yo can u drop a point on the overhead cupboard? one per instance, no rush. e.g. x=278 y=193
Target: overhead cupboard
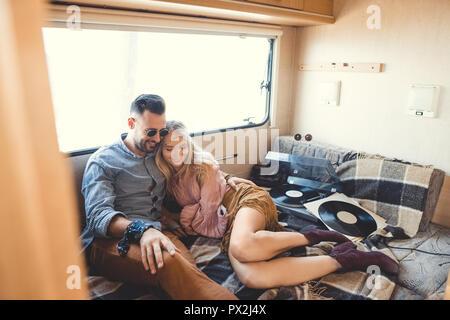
x=292 y=4
x=276 y=12
x=324 y=7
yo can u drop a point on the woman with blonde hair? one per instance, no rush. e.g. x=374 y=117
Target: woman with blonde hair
x=247 y=221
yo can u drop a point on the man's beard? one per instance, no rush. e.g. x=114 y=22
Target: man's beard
x=141 y=146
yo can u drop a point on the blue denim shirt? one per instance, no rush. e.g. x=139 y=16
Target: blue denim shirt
x=118 y=182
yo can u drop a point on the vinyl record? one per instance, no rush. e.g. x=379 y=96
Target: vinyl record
x=333 y=212
x=292 y=195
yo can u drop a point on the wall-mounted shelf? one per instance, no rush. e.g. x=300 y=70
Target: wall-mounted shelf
x=343 y=67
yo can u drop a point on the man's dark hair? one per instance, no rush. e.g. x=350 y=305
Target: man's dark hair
x=150 y=102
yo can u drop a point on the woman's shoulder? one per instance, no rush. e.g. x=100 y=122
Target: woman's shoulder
x=208 y=168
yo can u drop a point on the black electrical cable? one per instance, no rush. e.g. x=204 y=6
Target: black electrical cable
x=427 y=252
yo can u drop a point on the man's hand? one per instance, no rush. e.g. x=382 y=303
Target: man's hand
x=233 y=181
x=152 y=243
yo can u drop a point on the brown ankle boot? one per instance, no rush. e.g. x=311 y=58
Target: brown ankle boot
x=352 y=259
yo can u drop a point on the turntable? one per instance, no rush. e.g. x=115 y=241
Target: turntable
x=308 y=179
x=292 y=195
x=313 y=191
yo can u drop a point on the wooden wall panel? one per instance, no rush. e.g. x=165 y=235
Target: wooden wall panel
x=40 y=252
x=442 y=212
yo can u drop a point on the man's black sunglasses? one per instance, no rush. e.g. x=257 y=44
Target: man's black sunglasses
x=163 y=132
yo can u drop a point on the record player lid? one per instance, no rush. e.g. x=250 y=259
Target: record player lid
x=316 y=169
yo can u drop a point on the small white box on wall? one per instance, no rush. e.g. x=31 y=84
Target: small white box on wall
x=423 y=100
x=330 y=93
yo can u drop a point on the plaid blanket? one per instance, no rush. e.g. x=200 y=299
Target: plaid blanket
x=413 y=283
x=422 y=276
x=393 y=190
x=354 y=285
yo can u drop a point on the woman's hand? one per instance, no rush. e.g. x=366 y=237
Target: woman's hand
x=234 y=181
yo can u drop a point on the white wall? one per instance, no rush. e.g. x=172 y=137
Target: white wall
x=414 y=45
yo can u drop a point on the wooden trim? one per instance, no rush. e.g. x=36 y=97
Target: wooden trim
x=97 y=18
x=218 y=9
x=39 y=214
x=442 y=212
x=343 y=67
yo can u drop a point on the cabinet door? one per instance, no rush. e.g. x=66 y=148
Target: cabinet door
x=292 y=4
x=319 y=6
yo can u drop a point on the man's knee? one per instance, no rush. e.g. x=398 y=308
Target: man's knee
x=174 y=261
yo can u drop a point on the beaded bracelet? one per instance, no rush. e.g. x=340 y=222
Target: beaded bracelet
x=133 y=234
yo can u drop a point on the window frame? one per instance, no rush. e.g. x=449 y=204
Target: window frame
x=96 y=18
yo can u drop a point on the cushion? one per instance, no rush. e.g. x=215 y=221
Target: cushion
x=336 y=155
x=284 y=144
x=393 y=190
x=78 y=164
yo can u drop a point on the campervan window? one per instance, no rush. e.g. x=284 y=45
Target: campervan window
x=209 y=81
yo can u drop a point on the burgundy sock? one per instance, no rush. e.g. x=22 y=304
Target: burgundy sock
x=353 y=259
x=343 y=247
x=316 y=235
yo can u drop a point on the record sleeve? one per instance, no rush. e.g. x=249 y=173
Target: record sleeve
x=344 y=215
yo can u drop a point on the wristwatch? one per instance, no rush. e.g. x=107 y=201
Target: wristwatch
x=133 y=234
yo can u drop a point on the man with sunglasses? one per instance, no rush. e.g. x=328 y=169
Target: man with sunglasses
x=123 y=191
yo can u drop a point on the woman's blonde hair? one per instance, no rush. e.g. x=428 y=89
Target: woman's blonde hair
x=197 y=163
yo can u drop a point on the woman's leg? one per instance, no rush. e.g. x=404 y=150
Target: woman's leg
x=250 y=246
x=287 y=271
x=249 y=242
